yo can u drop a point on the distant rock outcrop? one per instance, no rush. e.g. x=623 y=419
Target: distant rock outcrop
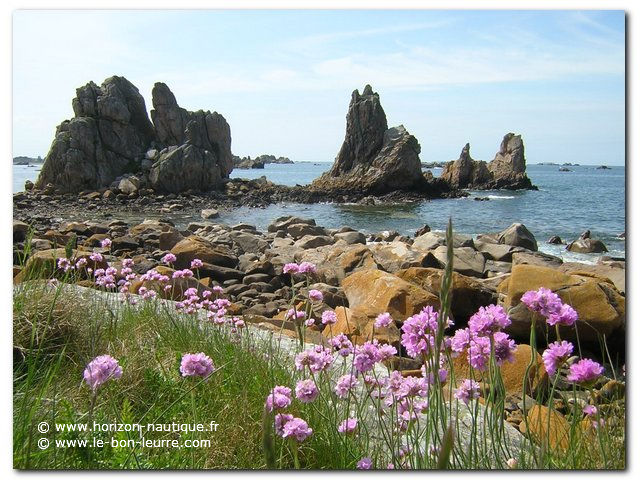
x=373 y=158
x=506 y=171
x=111 y=136
x=466 y=172
x=107 y=137
x=199 y=146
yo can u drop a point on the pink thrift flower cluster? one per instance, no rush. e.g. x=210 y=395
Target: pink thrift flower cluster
x=316 y=359
x=483 y=330
x=548 y=304
x=196 y=365
x=585 y=371
x=315 y=295
x=383 y=320
x=286 y=425
x=329 y=317
x=303 y=268
x=101 y=369
x=468 y=390
x=169 y=258
x=555 y=355
x=278 y=398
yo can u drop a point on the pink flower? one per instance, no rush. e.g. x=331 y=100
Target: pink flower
x=169 y=258
x=96 y=257
x=310 y=322
x=468 y=390
x=307 y=267
x=542 y=301
x=101 y=369
x=81 y=263
x=348 y=426
x=196 y=365
x=342 y=344
x=504 y=347
x=555 y=355
x=317 y=359
x=488 y=320
x=195 y=263
x=479 y=352
x=128 y=263
x=345 y=384
x=383 y=320
x=418 y=332
x=461 y=340
x=584 y=371
x=278 y=398
x=291 y=268
x=293 y=314
x=329 y=317
x=280 y=420
x=566 y=315
x=512 y=463
x=106 y=243
x=590 y=410
x=315 y=295
x=364 y=463
x=366 y=356
x=64 y=264
x=296 y=428
x=306 y=391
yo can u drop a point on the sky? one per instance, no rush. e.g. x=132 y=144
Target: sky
x=283 y=79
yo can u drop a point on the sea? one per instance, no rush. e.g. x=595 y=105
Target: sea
x=566 y=204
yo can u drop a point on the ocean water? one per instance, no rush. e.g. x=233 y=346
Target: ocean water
x=566 y=204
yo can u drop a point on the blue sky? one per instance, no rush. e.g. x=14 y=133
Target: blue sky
x=283 y=79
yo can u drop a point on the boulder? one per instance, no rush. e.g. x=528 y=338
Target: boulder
x=373 y=159
x=194 y=247
x=547 y=427
x=282 y=223
x=516 y=235
x=312 y=241
x=600 y=306
x=467 y=294
x=465 y=260
x=20 y=230
x=129 y=184
x=383 y=292
x=432 y=240
x=208 y=213
x=351 y=238
x=535 y=258
x=107 y=138
x=498 y=252
x=396 y=255
x=587 y=245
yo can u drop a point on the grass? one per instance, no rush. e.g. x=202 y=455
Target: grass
x=57 y=332
x=58 y=336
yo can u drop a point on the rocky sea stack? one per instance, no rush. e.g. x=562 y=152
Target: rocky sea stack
x=506 y=171
x=111 y=138
x=373 y=158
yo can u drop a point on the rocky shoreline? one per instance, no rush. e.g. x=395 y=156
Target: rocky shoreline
x=381 y=272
